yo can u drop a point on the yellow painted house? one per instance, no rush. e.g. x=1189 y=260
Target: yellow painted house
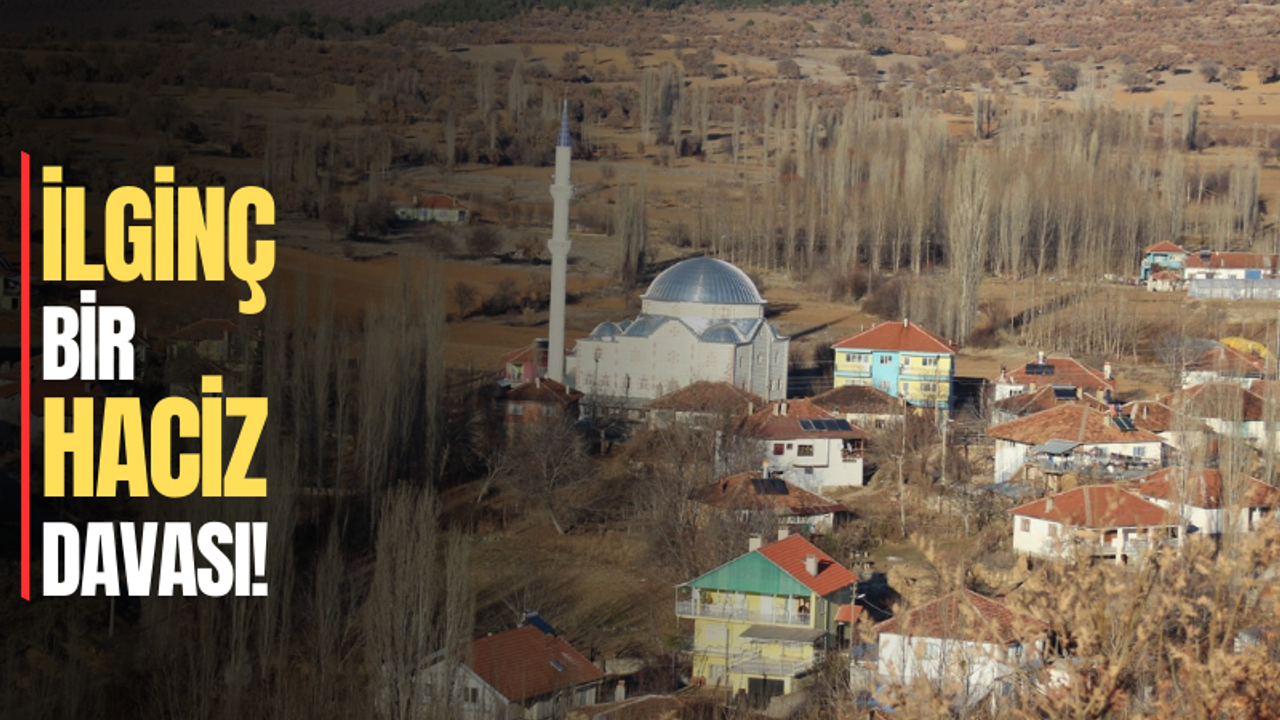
x=901 y=359
x=761 y=621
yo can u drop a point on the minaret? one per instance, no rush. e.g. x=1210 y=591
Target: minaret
x=561 y=191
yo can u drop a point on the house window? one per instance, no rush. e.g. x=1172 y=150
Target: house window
x=777 y=448
x=886 y=359
x=882 y=386
x=928 y=387
x=1025 y=525
x=759 y=358
x=805 y=451
x=906 y=388
x=473 y=695
x=1139 y=451
x=929 y=361
x=515 y=409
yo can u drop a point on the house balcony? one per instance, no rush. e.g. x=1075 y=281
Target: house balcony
x=754 y=664
x=690 y=608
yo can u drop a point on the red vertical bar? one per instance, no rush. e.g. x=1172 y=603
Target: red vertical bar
x=24 y=408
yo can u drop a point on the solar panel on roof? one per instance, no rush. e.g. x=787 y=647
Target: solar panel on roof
x=1043 y=369
x=843 y=425
x=769 y=486
x=806 y=425
x=1124 y=423
x=1064 y=392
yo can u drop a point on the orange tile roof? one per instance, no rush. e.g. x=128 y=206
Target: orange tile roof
x=1231 y=260
x=963 y=615
x=738 y=492
x=1069 y=422
x=440 y=201
x=1202 y=488
x=1042 y=399
x=705 y=396
x=1221 y=400
x=1226 y=359
x=543 y=390
x=790 y=554
x=1151 y=415
x=781 y=420
x=527 y=663
x=858 y=399
x=1096 y=507
x=903 y=336
x=1164 y=246
x=1066 y=371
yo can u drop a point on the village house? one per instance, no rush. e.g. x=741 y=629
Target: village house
x=965 y=645
x=753 y=495
x=1166 y=281
x=1069 y=378
x=862 y=405
x=1164 y=256
x=1204 y=501
x=808 y=446
x=434 y=208
x=1225 y=408
x=760 y=620
x=523 y=674
x=705 y=405
x=901 y=359
x=1046 y=397
x=1076 y=439
x=541 y=401
x=1209 y=265
x=524 y=364
x=1102 y=521
x=1223 y=363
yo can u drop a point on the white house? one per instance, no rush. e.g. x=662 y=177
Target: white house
x=1210 y=265
x=701 y=319
x=863 y=405
x=966 y=645
x=1203 y=500
x=751 y=493
x=1104 y=443
x=1094 y=520
x=521 y=674
x=806 y=445
x=1222 y=363
x=1064 y=374
x=1225 y=408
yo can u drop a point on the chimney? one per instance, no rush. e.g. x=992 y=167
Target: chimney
x=1106 y=370
x=1040 y=357
x=751 y=408
x=753 y=543
x=764 y=468
x=537 y=381
x=620 y=692
x=905 y=322
x=1048 y=504
x=784 y=532
x=811 y=565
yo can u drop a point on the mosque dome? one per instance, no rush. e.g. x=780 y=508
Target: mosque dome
x=704 y=280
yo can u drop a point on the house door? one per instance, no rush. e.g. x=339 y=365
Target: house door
x=761 y=690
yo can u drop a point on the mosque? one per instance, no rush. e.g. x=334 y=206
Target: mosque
x=701 y=319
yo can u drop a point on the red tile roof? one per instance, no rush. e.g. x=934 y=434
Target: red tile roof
x=543 y=390
x=1096 y=507
x=1066 y=371
x=439 y=201
x=790 y=555
x=1164 y=246
x=1069 y=422
x=858 y=400
x=1042 y=399
x=1225 y=359
x=963 y=615
x=902 y=336
x=1231 y=260
x=705 y=396
x=738 y=492
x=1203 y=488
x=527 y=663
x=1221 y=400
x=781 y=421
x=1151 y=415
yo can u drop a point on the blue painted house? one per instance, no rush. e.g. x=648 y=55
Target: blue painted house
x=901 y=359
x=1163 y=255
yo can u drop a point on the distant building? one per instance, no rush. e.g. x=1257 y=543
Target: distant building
x=1084 y=440
x=1046 y=397
x=1067 y=376
x=807 y=445
x=1221 y=362
x=521 y=674
x=862 y=405
x=1207 y=265
x=760 y=620
x=434 y=208
x=1163 y=256
x=541 y=401
x=1096 y=521
x=701 y=319
x=524 y=364
x=964 y=644
x=1200 y=497
x=900 y=359
x=752 y=494
x=704 y=404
